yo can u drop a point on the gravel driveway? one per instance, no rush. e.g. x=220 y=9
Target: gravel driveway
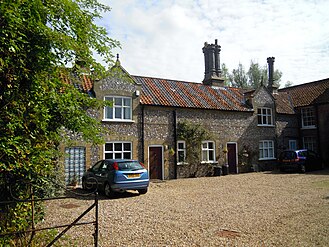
x=254 y=209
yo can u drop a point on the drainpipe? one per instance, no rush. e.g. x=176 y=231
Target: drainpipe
x=318 y=132
x=142 y=135
x=175 y=142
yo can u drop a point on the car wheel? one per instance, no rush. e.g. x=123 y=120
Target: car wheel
x=143 y=191
x=107 y=190
x=302 y=168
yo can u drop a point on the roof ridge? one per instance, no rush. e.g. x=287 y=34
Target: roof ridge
x=198 y=83
x=305 y=84
x=166 y=79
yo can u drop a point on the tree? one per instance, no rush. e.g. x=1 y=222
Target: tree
x=238 y=78
x=37 y=39
x=256 y=75
x=288 y=84
x=253 y=78
x=225 y=74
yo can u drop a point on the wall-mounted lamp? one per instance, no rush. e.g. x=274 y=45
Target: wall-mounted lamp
x=245 y=153
x=137 y=92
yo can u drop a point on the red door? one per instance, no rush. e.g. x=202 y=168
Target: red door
x=155 y=162
x=231 y=158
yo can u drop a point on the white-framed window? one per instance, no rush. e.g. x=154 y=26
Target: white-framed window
x=266 y=150
x=292 y=144
x=181 y=152
x=264 y=116
x=309 y=142
x=208 y=151
x=121 y=110
x=308 y=119
x=118 y=150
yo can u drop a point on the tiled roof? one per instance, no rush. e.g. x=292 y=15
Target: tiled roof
x=83 y=82
x=164 y=92
x=309 y=93
x=283 y=103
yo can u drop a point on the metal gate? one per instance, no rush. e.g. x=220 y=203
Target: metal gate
x=31 y=199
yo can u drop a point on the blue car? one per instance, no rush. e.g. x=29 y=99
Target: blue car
x=116 y=175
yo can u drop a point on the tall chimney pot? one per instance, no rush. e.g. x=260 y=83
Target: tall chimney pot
x=212 y=74
x=270 y=61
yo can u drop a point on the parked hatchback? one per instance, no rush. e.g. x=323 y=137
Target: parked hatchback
x=117 y=175
x=300 y=160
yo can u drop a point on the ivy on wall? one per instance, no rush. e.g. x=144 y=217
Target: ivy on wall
x=193 y=134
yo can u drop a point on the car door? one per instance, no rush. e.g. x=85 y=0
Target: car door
x=110 y=171
x=101 y=174
x=311 y=160
x=91 y=177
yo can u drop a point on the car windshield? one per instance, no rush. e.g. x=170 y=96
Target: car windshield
x=130 y=166
x=302 y=154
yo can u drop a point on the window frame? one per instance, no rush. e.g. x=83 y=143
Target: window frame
x=263 y=148
x=261 y=115
x=292 y=143
x=118 y=108
x=122 y=151
x=304 y=114
x=313 y=143
x=208 y=150
x=181 y=150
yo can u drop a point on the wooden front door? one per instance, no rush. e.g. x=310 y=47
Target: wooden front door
x=231 y=158
x=155 y=162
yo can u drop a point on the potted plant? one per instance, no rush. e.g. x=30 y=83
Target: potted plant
x=74 y=181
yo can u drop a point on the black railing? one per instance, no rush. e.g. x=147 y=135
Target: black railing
x=66 y=227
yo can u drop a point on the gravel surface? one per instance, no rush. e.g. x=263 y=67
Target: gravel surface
x=254 y=209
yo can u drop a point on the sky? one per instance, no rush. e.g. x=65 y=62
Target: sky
x=164 y=38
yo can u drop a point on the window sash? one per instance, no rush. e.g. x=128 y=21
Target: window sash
x=181 y=151
x=309 y=142
x=292 y=144
x=264 y=116
x=120 y=110
x=308 y=119
x=208 y=151
x=118 y=150
x=266 y=149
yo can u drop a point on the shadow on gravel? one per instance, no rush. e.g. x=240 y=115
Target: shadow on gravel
x=316 y=172
x=80 y=194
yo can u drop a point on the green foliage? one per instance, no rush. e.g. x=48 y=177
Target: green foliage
x=239 y=77
x=37 y=39
x=255 y=76
x=193 y=134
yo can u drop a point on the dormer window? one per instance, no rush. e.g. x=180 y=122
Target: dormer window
x=308 y=119
x=121 y=110
x=265 y=117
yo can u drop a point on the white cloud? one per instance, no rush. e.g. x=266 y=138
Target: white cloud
x=165 y=38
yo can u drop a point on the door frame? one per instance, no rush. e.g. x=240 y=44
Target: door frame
x=236 y=154
x=162 y=158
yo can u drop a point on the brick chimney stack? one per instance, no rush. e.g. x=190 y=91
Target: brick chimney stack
x=270 y=61
x=212 y=74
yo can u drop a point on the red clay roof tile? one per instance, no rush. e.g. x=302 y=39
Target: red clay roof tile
x=163 y=92
x=309 y=93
